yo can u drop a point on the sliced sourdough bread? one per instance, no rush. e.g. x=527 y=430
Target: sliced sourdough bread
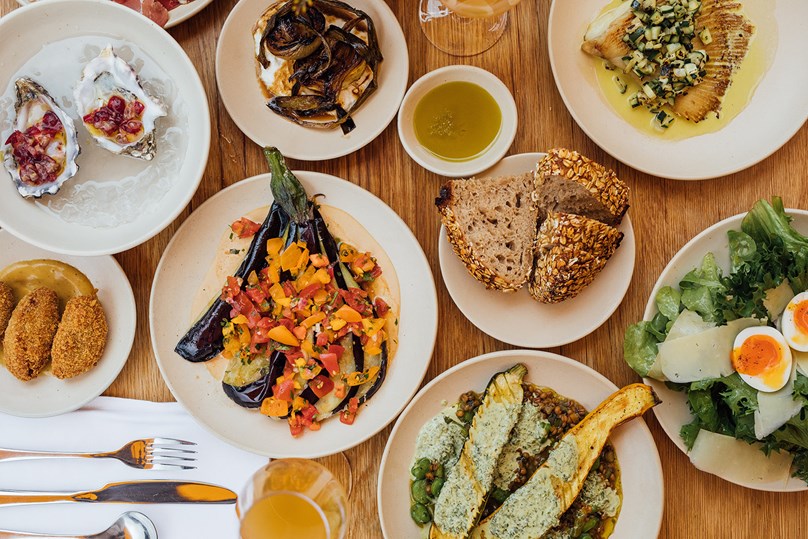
x=568 y=182
x=491 y=224
x=570 y=251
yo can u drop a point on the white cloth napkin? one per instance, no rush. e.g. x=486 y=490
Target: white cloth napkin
x=103 y=425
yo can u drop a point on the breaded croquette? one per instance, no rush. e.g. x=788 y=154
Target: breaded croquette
x=6 y=305
x=81 y=338
x=29 y=335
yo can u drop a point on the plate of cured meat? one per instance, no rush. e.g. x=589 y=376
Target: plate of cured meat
x=166 y=13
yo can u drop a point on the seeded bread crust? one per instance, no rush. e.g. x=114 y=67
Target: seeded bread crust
x=446 y=203
x=571 y=251
x=602 y=183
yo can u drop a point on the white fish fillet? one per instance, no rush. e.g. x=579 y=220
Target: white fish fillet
x=731 y=32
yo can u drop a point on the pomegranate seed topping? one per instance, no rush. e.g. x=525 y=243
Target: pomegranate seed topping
x=138 y=107
x=117 y=104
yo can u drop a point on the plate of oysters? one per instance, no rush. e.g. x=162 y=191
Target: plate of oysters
x=104 y=127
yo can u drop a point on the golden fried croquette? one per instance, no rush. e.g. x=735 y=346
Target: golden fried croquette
x=29 y=335
x=81 y=338
x=6 y=305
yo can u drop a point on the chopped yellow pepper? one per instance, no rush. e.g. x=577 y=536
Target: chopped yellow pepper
x=273 y=407
x=348 y=313
x=282 y=335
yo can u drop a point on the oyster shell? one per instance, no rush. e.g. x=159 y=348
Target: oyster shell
x=115 y=108
x=41 y=152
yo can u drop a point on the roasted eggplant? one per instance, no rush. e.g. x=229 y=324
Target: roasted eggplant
x=334 y=66
x=267 y=367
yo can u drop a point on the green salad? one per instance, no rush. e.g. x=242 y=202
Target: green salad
x=768 y=266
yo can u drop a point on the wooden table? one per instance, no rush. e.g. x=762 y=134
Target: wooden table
x=666 y=214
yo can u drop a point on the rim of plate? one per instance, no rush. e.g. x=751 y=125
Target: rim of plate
x=637 y=424
x=616 y=147
x=177 y=15
x=489 y=82
x=399 y=395
x=119 y=342
x=475 y=301
x=329 y=148
x=664 y=279
x=196 y=172
x=184 y=12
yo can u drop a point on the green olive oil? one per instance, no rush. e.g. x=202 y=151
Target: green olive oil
x=457 y=121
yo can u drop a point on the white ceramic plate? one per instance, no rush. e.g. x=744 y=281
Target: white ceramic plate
x=491 y=155
x=47 y=395
x=114 y=203
x=242 y=96
x=177 y=15
x=186 y=262
x=674 y=411
x=517 y=318
x=777 y=110
x=641 y=514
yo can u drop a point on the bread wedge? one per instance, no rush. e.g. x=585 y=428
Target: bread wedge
x=491 y=224
x=536 y=507
x=570 y=251
x=568 y=182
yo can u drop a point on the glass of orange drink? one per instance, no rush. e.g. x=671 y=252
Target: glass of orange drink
x=464 y=27
x=293 y=499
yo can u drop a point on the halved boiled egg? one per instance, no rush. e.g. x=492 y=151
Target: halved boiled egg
x=762 y=357
x=795 y=322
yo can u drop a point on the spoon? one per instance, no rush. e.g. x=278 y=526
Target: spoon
x=130 y=525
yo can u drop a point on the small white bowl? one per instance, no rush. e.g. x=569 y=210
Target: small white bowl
x=456 y=169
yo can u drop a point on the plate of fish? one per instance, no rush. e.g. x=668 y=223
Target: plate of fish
x=319 y=79
x=166 y=13
x=66 y=328
x=682 y=89
x=104 y=125
x=520 y=444
x=574 y=209
x=308 y=322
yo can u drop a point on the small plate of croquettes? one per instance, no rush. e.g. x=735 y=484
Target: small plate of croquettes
x=66 y=328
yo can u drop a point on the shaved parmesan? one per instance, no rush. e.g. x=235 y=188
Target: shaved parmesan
x=777 y=299
x=704 y=355
x=725 y=456
x=688 y=323
x=775 y=409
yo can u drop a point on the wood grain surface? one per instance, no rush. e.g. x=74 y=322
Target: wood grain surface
x=666 y=214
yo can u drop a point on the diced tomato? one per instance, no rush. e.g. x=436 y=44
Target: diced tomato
x=256 y=294
x=283 y=390
x=321 y=386
x=336 y=350
x=308 y=292
x=348 y=414
x=299 y=332
x=382 y=308
x=322 y=339
x=289 y=289
x=376 y=272
x=307 y=414
x=295 y=426
x=330 y=362
x=231 y=288
x=244 y=228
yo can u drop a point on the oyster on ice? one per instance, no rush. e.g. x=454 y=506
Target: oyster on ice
x=41 y=152
x=115 y=108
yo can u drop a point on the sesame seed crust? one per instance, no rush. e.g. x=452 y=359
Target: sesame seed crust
x=601 y=182
x=572 y=250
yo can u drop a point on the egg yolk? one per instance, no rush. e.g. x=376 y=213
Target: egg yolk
x=758 y=355
x=801 y=317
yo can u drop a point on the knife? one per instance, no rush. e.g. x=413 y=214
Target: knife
x=128 y=492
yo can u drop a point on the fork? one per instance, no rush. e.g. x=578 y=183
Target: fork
x=146 y=454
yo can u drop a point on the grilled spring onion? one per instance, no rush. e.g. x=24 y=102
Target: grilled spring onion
x=330 y=61
x=663 y=55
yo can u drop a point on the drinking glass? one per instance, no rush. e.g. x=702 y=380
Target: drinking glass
x=294 y=499
x=464 y=27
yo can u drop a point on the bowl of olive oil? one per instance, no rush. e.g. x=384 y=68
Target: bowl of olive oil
x=457 y=121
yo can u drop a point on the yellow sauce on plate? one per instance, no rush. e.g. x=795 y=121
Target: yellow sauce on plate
x=744 y=82
x=457 y=121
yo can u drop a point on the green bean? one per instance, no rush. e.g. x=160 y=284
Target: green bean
x=420 y=513
x=585 y=536
x=591 y=523
x=440 y=471
x=500 y=495
x=437 y=484
x=419 y=491
x=418 y=471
